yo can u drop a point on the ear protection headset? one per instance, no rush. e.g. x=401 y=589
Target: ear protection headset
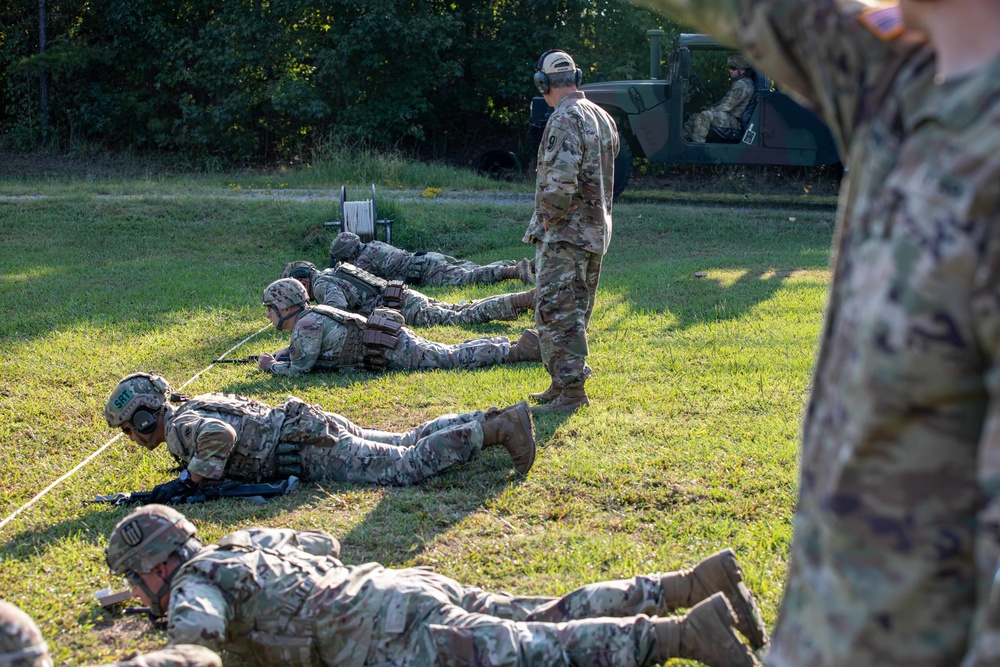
x=541 y=79
x=143 y=421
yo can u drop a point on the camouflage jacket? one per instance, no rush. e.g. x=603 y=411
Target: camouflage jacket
x=221 y=436
x=280 y=596
x=383 y=260
x=899 y=464
x=318 y=340
x=576 y=168
x=736 y=100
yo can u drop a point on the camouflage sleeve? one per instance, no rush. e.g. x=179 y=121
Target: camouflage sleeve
x=741 y=91
x=182 y=655
x=211 y=441
x=558 y=170
x=304 y=348
x=329 y=293
x=826 y=51
x=199 y=612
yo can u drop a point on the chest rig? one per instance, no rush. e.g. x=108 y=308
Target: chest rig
x=366 y=340
x=374 y=290
x=256 y=426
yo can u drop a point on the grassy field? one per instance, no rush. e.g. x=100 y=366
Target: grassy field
x=689 y=447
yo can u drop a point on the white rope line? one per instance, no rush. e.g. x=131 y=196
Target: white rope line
x=112 y=440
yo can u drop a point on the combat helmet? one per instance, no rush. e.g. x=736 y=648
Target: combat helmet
x=21 y=642
x=298 y=269
x=738 y=61
x=145 y=538
x=285 y=293
x=345 y=247
x=136 y=400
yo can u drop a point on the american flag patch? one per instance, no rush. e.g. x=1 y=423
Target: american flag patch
x=885 y=22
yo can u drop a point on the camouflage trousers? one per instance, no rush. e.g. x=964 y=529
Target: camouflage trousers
x=335 y=448
x=422 y=311
x=566 y=280
x=450 y=624
x=697 y=126
x=445 y=270
x=416 y=353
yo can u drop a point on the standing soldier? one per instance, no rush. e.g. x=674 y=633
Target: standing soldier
x=571 y=226
x=222 y=437
x=897 y=526
x=22 y=645
x=332 y=339
x=281 y=597
x=355 y=290
x=422 y=268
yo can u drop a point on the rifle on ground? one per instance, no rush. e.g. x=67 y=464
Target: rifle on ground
x=259 y=493
x=252 y=359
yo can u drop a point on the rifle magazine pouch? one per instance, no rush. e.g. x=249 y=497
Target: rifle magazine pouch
x=270 y=649
x=415 y=272
x=392 y=295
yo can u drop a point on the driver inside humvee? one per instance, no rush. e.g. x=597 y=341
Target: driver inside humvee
x=726 y=119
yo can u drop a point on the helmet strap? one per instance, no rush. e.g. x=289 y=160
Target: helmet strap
x=281 y=320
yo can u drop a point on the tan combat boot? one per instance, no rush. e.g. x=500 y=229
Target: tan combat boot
x=549 y=394
x=568 y=400
x=513 y=428
x=525 y=348
x=526 y=271
x=522 y=300
x=706 y=634
x=719 y=573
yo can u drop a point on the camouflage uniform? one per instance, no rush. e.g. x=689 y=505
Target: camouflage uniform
x=724 y=114
x=358 y=291
x=426 y=268
x=257 y=594
x=219 y=436
x=183 y=655
x=575 y=169
x=897 y=528
x=320 y=333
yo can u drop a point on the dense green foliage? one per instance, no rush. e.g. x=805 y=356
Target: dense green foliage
x=236 y=80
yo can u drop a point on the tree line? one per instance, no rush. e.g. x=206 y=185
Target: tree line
x=240 y=81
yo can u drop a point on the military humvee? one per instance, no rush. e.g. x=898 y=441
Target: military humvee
x=651 y=113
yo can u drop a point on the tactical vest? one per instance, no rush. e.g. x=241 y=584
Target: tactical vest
x=282 y=637
x=374 y=290
x=415 y=271
x=252 y=458
x=366 y=340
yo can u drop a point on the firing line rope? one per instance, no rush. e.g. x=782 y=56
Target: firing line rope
x=112 y=440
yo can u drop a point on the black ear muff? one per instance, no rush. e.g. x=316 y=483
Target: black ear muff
x=143 y=421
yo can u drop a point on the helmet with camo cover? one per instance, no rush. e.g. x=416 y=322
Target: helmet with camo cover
x=345 y=247
x=285 y=293
x=21 y=642
x=298 y=269
x=146 y=537
x=133 y=392
x=738 y=61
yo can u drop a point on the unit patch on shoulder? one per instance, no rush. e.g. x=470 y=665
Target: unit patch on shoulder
x=885 y=22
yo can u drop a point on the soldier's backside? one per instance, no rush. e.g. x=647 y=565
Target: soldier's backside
x=904 y=398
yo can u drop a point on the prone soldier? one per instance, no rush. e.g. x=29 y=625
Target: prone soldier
x=423 y=268
x=332 y=339
x=282 y=597
x=22 y=645
x=357 y=291
x=221 y=437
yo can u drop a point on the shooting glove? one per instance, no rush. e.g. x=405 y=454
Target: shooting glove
x=172 y=492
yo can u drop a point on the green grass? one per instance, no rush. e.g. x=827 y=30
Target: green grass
x=689 y=447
